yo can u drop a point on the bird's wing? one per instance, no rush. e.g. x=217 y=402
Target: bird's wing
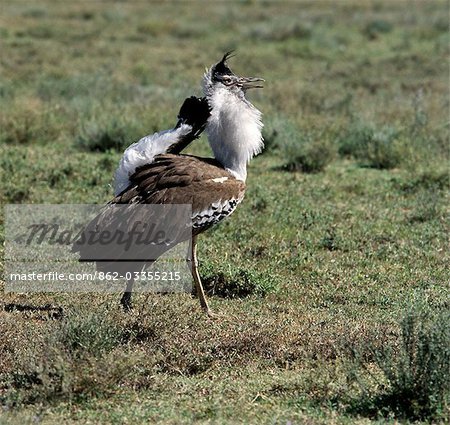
x=212 y=191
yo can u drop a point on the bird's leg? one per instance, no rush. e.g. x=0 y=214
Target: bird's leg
x=126 y=297
x=198 y=283
x=189 y=264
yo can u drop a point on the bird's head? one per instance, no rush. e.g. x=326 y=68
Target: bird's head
x=221 y=77
x=234 y=125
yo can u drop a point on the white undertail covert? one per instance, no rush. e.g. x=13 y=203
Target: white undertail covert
x=143 y=152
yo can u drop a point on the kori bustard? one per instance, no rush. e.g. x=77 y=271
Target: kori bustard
x=153 y=171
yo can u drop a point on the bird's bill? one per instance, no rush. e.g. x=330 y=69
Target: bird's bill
x=250 y=82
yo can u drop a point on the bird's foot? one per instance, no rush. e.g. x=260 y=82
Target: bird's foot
x=212 y=315
x=218 y=316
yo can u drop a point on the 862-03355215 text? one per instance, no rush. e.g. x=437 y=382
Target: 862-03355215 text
x=97 y=275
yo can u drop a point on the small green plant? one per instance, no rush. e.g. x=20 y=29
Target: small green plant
x=98 y=136
x=270 y=135
x=331 y=240
x=419 y=374
x=21 y=127
x=276 y=129
x=376 y=148
x=17 y=191
x=427 y=207
x=73 y=361
x=303 y=152
x=156 y=28
x=376 y=27
x=237 y=283
x=34 y=12
x=432 y=180
x=416 y=375
x=92 y=333
x=420 y=114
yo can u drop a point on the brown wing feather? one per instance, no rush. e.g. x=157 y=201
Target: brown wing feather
x=203 y=183
x=182 y=179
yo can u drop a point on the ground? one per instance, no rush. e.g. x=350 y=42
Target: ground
x=340 y=243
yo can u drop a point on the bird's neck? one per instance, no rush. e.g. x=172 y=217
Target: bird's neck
x=234 y=131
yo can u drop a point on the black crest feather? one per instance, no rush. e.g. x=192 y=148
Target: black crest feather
x=221 y=68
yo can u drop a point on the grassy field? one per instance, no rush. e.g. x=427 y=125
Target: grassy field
x=333 y=273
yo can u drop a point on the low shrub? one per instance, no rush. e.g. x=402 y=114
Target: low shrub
x=376 y=27
x=106 y=134
x=427 y=207
x=276 y=129
x=416 y=375
x=419 y=374
x=92 y=333
x=22 y=126
x=376 y=148
x=73 y=361
x=303 y=152
x=238 y=283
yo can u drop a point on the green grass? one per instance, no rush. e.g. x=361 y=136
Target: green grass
x=344 y=227
x=415 y=375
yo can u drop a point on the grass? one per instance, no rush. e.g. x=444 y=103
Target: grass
x=343 y=229
x=415 y=376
